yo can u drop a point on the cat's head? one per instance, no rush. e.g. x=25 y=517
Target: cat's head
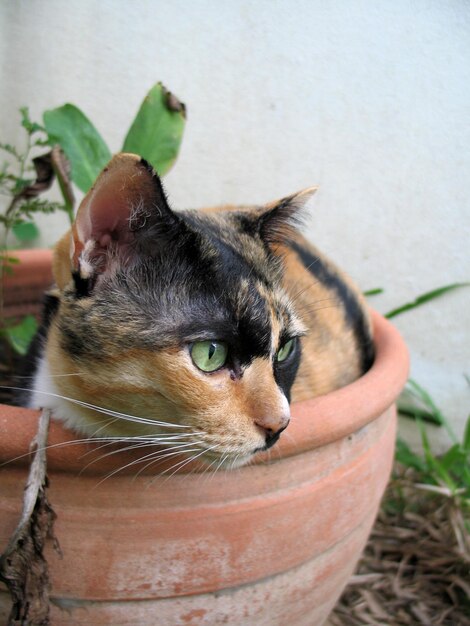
x=175 y=317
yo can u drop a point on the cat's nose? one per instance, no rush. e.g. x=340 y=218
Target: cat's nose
x=272 y=428
x=271 y=415
x=273 y=437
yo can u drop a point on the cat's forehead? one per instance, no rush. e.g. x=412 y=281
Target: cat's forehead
x=284 y=319
x=224 y=235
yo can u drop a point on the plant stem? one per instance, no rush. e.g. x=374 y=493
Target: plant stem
x=10 y=219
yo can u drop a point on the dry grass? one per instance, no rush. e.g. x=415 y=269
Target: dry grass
x=416 y=566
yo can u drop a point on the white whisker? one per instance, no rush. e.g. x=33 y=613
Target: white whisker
x=138 y=441
x=49 y=376
x=183 y=463
x=62 y=444
x=232 y=466
x=110 y=440
x=125 y=416
x=207 y=471
x=158 y=458
x=140 y=460
x=176 y=449
x=220 y=464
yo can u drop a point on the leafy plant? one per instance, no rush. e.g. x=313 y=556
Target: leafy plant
x=419 y=300
x=425 y=297
x=450 y=470
x=155 y=134
x=443 y=476
x=22 y=179
x=81 y=142
x=415 y=402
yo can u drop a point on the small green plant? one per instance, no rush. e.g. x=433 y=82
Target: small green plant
x=76 y=153
x=425 y=297
x=419 y=300
x=444 y=477
x=22 y=180
x=449 y=469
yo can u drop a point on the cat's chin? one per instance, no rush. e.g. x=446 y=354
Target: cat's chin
x=226 y=462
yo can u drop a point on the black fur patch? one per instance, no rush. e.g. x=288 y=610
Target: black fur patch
x=28 y=365
x=286 y=371
x=352 y=310
x=83 y=286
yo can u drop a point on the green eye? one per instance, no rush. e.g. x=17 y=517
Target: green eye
x=285 y=350
x=209 y=356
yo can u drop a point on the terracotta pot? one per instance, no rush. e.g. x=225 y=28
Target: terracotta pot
x=23 y=290
x=272 y=544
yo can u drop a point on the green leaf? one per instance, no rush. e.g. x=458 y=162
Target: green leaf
x=425 y=297
x=466 y=436
x=438 y=472
x=421 y=394
x=409 y=410
x=374 y=292
x=405 y=456
x=6 y=147
x=9 y=259
x=21 y=334
x=21 y=183
x=157 y=130
x=25 y=231
x=6 y=263
x=80 y=141
x=453 y=459
x=456 y=462
x=31 y=127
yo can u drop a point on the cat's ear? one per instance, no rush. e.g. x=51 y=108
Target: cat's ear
x=126 y=201
x=277 y=220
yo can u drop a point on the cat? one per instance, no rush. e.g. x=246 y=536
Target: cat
x=210 y=321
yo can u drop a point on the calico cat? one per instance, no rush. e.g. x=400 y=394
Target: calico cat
x=210 y=321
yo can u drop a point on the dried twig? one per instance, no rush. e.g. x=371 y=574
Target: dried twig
x=23 y=567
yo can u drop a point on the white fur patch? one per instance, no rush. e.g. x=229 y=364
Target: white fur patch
x=45 y=395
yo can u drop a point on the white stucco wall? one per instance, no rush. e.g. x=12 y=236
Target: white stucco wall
x=369 y=99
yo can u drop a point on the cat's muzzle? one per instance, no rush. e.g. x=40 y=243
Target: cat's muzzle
x=272 y=438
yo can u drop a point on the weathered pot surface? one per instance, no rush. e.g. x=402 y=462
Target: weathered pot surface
x=269 y=544
x=23 y=289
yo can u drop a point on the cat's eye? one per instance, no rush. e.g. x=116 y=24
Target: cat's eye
x=285 y=350
x=209 y=356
